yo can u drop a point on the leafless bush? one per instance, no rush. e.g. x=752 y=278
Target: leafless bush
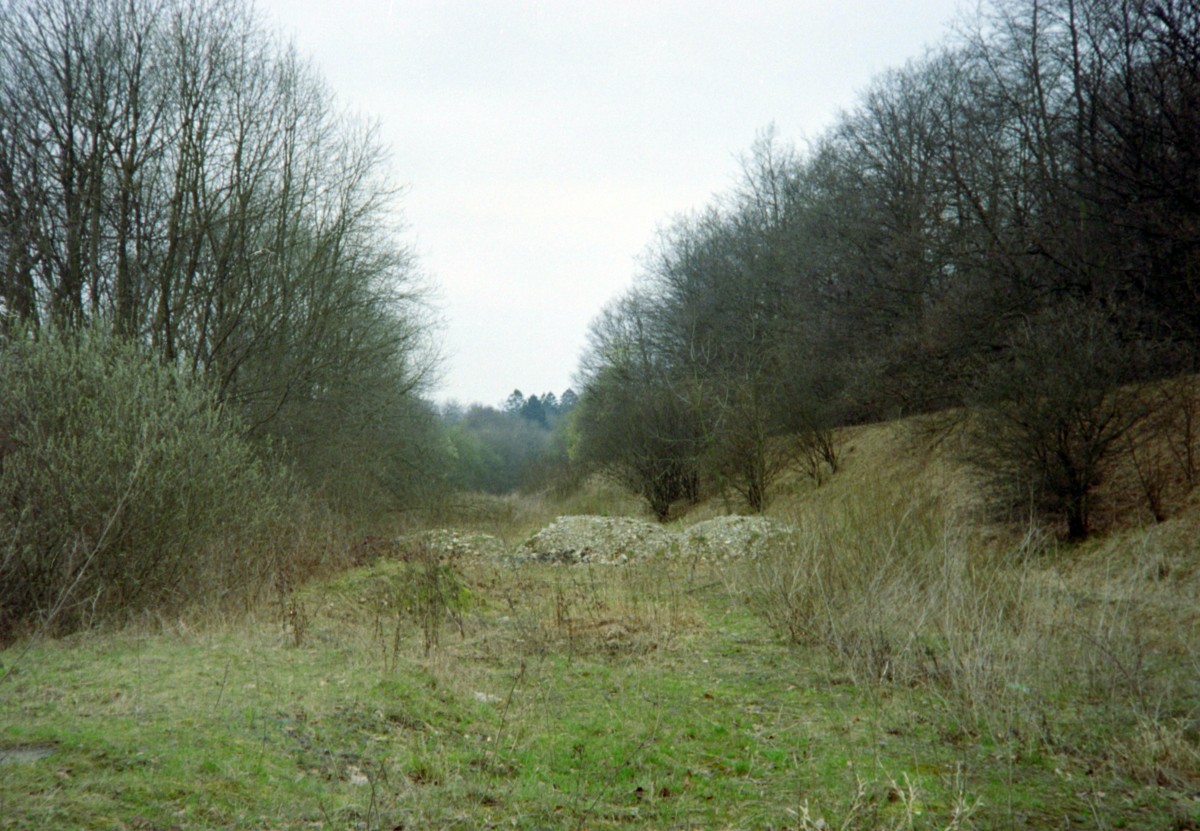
x=1053 y=410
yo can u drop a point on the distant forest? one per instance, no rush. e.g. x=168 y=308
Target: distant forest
x=522 y=446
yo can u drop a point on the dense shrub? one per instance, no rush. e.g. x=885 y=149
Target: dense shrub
x=123 y=485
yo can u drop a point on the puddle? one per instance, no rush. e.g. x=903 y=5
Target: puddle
x=23 y=753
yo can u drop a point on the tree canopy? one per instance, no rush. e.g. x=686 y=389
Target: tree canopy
x=1040 y=162
x=173 y=169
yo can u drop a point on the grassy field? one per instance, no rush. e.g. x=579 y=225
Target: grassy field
x=892 y=665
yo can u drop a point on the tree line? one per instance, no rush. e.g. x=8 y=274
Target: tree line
x=1011 y=222
x=200 y=256
x=173 y=170
x=520 y=446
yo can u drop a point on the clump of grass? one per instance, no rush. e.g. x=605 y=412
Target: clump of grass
x=902 y=808
x=638 y=608
x=601 y=496
x=887 y=583
x=418 y=591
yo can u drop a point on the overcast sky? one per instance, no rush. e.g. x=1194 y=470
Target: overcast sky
x=543 y=143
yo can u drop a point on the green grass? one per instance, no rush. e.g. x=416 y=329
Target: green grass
x=641 y=697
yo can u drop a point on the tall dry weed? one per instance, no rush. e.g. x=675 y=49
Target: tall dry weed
x=880 y=581
x=903 y=592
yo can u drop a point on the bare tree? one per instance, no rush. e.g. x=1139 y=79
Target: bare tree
x=168 y=166
x=1052 y=411
x=631 y=422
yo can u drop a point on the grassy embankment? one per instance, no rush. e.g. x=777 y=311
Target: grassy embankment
x=892 y=666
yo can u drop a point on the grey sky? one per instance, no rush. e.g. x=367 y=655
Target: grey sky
x=542 y=143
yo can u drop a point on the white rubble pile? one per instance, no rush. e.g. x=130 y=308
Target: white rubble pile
x=457 y=544
x=596 y=539
x=616 y=540
x=732 y=536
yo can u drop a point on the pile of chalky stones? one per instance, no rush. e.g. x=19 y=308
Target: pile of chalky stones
x=571 y=540
x=616 y=540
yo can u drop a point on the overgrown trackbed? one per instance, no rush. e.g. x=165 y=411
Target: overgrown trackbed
x=486 y=687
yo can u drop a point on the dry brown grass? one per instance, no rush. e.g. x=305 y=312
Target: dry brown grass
x=1092 y=649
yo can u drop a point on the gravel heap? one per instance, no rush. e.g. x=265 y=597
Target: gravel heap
x=596 y=539
x=615 y=540
x=588 y=539
x=453 y=545
x=731 y=536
